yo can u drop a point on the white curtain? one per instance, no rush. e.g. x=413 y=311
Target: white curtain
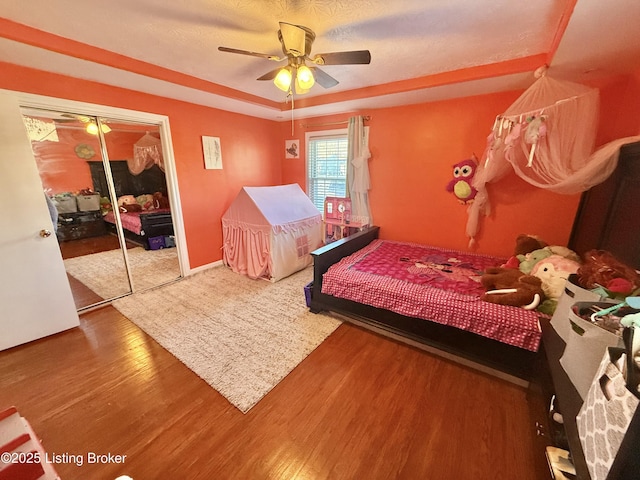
x=358 y=182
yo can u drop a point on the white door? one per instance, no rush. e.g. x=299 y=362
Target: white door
x=35 y=296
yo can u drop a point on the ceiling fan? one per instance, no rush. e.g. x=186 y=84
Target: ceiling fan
x=296 y=42
x=91 y=125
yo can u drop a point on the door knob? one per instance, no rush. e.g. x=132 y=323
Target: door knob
x=44 y=233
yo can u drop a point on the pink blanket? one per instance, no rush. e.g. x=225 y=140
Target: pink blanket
x=131 y=220
x=433 y=284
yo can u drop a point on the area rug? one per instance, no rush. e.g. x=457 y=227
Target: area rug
x=241 y=336
x=105 y=273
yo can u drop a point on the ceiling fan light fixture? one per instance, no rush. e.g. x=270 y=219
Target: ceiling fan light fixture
x=304 y=77
x=299 y=89
x=283 y=79
x=92 y=128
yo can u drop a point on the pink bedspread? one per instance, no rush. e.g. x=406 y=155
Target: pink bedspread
x=131 y=220
x=433 y=284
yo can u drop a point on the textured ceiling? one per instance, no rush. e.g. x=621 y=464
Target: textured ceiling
x=408 y=39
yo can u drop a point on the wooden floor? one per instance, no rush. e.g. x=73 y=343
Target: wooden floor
x=83 y=296
x=87 y=246
x=359 y=407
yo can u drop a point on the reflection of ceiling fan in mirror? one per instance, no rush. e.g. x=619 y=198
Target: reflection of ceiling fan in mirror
x=91 y=125
x=296 y=42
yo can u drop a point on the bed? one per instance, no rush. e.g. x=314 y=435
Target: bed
x=139 y=227
x=417 y=300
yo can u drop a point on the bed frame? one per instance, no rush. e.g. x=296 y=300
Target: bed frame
x=473 y=348
x=154 y=224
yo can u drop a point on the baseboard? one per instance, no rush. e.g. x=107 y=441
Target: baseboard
x=202 y=268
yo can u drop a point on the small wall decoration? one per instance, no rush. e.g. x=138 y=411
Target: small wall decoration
x=292 y=149
x=212 y=153
x=84 y=151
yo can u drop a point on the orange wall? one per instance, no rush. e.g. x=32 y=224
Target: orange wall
x=620 y=115
x=414 y=148
x=61 y=170
x=249 y=153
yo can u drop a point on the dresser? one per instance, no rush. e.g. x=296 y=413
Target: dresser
x=568 y=402
x=77 y=225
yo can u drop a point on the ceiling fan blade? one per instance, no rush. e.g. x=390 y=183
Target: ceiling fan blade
x=270 y=75
x=296 y=39
x=253 y=54
x=355 y=57
x=72 y=117
x=324 y=79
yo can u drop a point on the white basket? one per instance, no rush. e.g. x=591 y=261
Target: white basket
x=572 y=294
x=65 y=204
x=88 y=203
x=586 y=345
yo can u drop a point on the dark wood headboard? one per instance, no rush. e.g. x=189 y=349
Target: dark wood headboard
x=608 y=218
x=149 y=181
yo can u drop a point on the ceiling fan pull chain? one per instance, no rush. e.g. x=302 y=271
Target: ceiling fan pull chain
x=292 y=127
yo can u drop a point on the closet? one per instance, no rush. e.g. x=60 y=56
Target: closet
x=104 y=181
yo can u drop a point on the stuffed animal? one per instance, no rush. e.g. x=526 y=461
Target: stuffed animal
x=145 y=201
x=128 y=199
x=105 y=205
x=530 y=250
x=509 y=286
x=554 y=271
x=602 y=269
x=529 y=260
x=461 y=184
x=524 y=244
x=160 y=201
x=527 y=244
x=565 y=252
x=130 y=207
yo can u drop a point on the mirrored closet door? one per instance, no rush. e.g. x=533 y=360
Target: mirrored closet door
x=107 y=191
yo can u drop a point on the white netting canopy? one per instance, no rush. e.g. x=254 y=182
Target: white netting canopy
x=547 y=137
x=147 y=152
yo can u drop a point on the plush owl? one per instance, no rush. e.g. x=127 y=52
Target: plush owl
x=460 y=185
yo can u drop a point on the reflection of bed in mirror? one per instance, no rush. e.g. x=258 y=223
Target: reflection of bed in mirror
x=141 y=226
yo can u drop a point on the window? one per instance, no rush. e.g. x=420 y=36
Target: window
x=326 y=165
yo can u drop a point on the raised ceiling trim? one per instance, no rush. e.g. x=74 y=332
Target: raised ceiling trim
x=55 y=43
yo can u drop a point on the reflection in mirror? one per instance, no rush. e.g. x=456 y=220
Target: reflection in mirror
x=64 y=150
x=97 y=210
x=137 y=170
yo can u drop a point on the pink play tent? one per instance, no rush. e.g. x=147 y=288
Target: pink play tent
x=269 y=232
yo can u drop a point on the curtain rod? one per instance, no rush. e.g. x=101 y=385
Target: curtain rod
x=306 y=125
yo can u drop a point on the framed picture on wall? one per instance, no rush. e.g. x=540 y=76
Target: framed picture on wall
x=212 y=153
x=292 y=148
